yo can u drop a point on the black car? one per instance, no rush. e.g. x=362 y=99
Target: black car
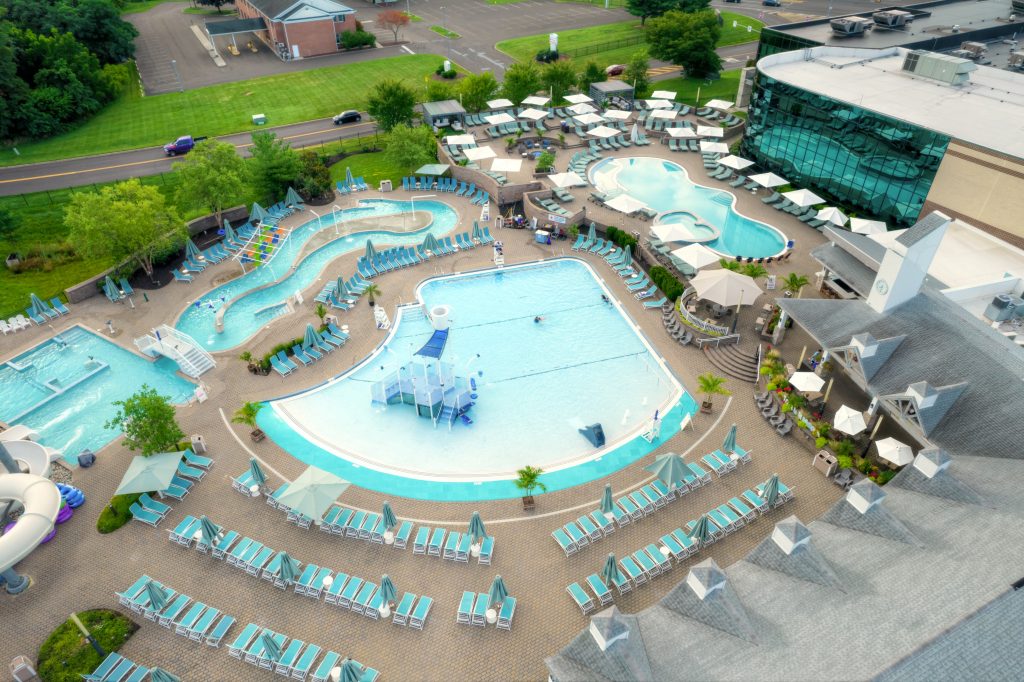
x=771 y=3
x=350 y=116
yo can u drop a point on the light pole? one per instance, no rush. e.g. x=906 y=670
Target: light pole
x=174 y=67
x=447 y=32
x=334 y=215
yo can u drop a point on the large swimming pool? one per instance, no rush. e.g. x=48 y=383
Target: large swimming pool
x=666 y=187
x=64 y=388
x=538 y=383
x=259 y=296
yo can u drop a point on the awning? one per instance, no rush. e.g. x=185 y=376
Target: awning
x=232 y=26
x=435 y=346
x=506 y=165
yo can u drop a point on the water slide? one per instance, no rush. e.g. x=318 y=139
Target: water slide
x=21 y=442
x=41 y=500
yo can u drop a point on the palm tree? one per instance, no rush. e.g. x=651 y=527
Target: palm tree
x=529 y=478
x=711 y=385
x=754 y=270
x=320 y=312
x=729 y=264
x=793 y=283
x=246 y=414
x=372 y=291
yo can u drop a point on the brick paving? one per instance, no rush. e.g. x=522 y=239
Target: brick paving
x=81 y=569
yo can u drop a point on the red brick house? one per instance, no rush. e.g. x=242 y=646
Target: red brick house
x=296 y=29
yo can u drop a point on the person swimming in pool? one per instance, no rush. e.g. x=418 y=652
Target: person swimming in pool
x=604 y=297
x=537 y=319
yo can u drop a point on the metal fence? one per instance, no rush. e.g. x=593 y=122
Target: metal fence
x=603 y=47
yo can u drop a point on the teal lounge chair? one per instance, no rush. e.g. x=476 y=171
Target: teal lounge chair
x=109 y=663
x=58 y=306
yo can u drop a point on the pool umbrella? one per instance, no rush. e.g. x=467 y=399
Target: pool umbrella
x=288 y=568
x=719 y=104
x=580 y=109
x=610 y=573
x=191 y=250
x=831 y=214
x=589 y=119
x=500 y=103
x=371 y=252
x=803 y=197
x=208 y=530
x=161 y=675
x=477 y=530
x=271 y=649
x=257 y=213
x=767 y=179
x=849 y=420
x=340 y=290
x=894 y=451
x=310 y=339
x=663 y=94
x=38 y=307
x=658 y=103
x=696 y=255
x=578 y=99
x=709 y=147
x=725 y=287
x=157 y=596
x=688 y=133
x=735 y=162
x=229 y=235
x=313 y=493
x=258 y=477
x=806 y=381
x=349 y=180
x=430 y=243
x=536 y=101
x=729 y=444
x=862 y=226
x=701 y=532
x=292 y=198
x=669 y=468
x=148 y=474
x=607 y=504
x=388 y=516
x=771 y=491
x=499 y=119
x=603 y=131
x=498 y=593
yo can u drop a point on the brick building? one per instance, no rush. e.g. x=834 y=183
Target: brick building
x=296 y=29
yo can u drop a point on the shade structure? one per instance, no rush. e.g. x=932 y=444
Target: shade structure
x=669 y=468
x=685 y=133
x=803 y=197
x=476 y=527
x=770 y=494
x=208 y=530
x=533 y=114
x=567 y=179
x=710 y=131
x=536 y=101
x=506 y=165
x=578 y=98
x=292 y=197
x=388 y=516
x=663 y=94
x=289 y=568
x=735 y=162
x=617 y=114
x=895 y=451
x=257 y=213
x=499 y=119
x=625 y=204
x=607 y=504
x=701 y=532
x=157 y=596
x=500 y=103
x=588 y=119
x=849 y=420
x=768 y=179
x=729 y=444
x=806 y=381
x=831 y=214
x=271 y=649
x=658 y=103
x=862 y=226
x=665 y=114
x=430 y=243
x=310 y=338
x=610 y=573
x=229 y=236
x=603 y=131
x=149 y=474
x=670 y=232
x=725 y=287
x=161 y=675
x=720 y=104
x=370 y=253
x=478 y=153
x=258 y=477
x=313 y=493
x=432 y=169
x=697 y=255
x=580 y=109
x=708 y=147
x=387 y=589
x=498 y=592
x=460 y=140
x=191 y=250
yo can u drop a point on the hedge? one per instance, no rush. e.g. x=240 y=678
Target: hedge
x=666 y=281
x=116 y=513
x=620 y=238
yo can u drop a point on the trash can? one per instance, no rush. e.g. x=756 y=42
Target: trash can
x=198 y=444
x=22 y=670
x=86 y=459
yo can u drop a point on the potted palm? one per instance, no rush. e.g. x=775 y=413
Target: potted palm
x=247 y=358
x=529 y=479
x=710 y=385
x=320 y=311
x=371 y=292
x=793 y=284
x=246 y=414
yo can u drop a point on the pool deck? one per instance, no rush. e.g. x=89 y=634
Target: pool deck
x=80 y=569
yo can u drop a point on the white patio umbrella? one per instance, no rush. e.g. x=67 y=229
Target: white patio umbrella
x=719 y=104
x=578 y=99
x=568 y=179
x=803 y=197
x=500 y=103
x=533 y=114
x=499 y=119
x=707 y=146
x=603 y=131
x=670 y=232
x=697 y=255
x=663 y=94
x=663 y=114
x=658 y=104
x=617 y=114
x=833 y=215
x=460 y=140
x=849 y=420
x=894 y=451
x=735 y=162
x=687 y=133
x=506 y=165
x=768 y=179
x=581 y=108
x=536 y=101
x=862 y=226
x=625 y=203
x=725 y=287
x=589 y=119
x=807 y=382
x=710 y=131
x=478 y=153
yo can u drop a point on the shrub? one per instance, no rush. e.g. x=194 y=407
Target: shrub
x=449 y=74
x=116 y=514
x=66 y=656
x=667 y=283
x=351 y=40
x=286 y=347
x=546 y=56
x=885 y=476
x=621 y=238
x=844 y=461
x=820 y=442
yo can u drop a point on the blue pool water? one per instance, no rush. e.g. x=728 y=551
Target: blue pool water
x=257 y=297
x=63 y=388
x=538 y=383
x=665 y=186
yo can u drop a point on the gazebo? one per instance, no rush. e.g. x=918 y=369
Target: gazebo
x=443 y=114
x=612 y=93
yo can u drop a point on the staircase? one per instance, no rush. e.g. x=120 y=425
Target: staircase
x=447 y=416
x=178 y=346
x=734 y=361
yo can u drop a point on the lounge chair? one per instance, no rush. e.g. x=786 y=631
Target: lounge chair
x=507 y=612
x=182 y=277
x=139 y=513
x=323 y=671
x=581 y=598
x=105 y=668
x=152 y=505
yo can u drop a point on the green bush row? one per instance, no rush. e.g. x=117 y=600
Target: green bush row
x=666 y=281
x=621 y=238
x=353 y=39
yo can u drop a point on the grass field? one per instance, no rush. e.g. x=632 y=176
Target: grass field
x=686 y=88
x=441 y=30
x=373 y=168
x=135 y=121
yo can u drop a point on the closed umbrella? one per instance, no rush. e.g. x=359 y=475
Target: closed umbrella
x=729 y=444
x=148 y=474
x=387 y=595
x=161 y=675
x=725 y=287
x=191 y=250
x=849 y=420
x=610 y=573
x=627 y=255
x=771 y=491
x=310 y=338
x=157 y=596
x=371 y=252
x=831 y=214
x=430 y=243
x=257 y=213
x=478 y=234
x=230 y=236
x=38 y=307
x=477 y=531
x=894 y=451
x=607 y=504
x=701 y=533
x=313 y=493
x=806 y=381
x=592 y=233
x=350 y=671
x=288 y=569
x=634 y=134
x=292 y=198
x=669 y=468
x=349 y=180
x=390 y=521
x=340 y=290
x=258 y=477
x=495 y=597
x=208 y=530
x=271 y=649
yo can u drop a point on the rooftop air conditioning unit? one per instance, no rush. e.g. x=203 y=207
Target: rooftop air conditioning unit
x=1017 y=6
x=892 y=18
x=976 y=49
x=850 y=26
x=1001 y=308
x=1017 y=60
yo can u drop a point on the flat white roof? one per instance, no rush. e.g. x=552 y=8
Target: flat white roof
x=987 y=111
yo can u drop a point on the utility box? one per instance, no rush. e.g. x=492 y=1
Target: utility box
x=22 y=670
x=259 y=119
x=198 y=444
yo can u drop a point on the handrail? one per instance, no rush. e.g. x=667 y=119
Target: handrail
x=695 y=321
x=730 y=338
x=760 y=358
x=188 y=366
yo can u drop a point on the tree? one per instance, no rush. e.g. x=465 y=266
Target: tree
x=687 y=40
x=528 y=480
x=645 y=9
x=147 y=419
x=730 y=265
x=440 y=90
x=710 y=385
x=522 y=79
x=391 y=102
x=372 y=292
x=636 y=72
x=212 y=176
x=545 y=161
x=247 y=414
x=214 y=3
x=97 y=24
x=409 y=148
x=314 y=179
x=794 y=283
x=692 y=6
x=476 y=89
x=558 y=77
x=393 y=20
x=126 y=221
x=754 y=270
x=591 y=73
x=320 y=311
x=9 y=223
x=274 y=164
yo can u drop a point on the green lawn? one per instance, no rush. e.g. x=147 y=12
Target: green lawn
x=441 y=30
x=686 y=88
x=135 y=121
x=373 y=168
x=137 y=6
x=414 y=18
x=503 y=2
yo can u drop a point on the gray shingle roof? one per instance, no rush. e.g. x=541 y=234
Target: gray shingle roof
x=860 y=246
x=922 y=228
x=877 y=520
x=943 y=484
x=281 y=9
x=945 y=396
x=446 y=107
x=804 y=563
x=583 y=660
x=720 y=609
x=858 y=276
